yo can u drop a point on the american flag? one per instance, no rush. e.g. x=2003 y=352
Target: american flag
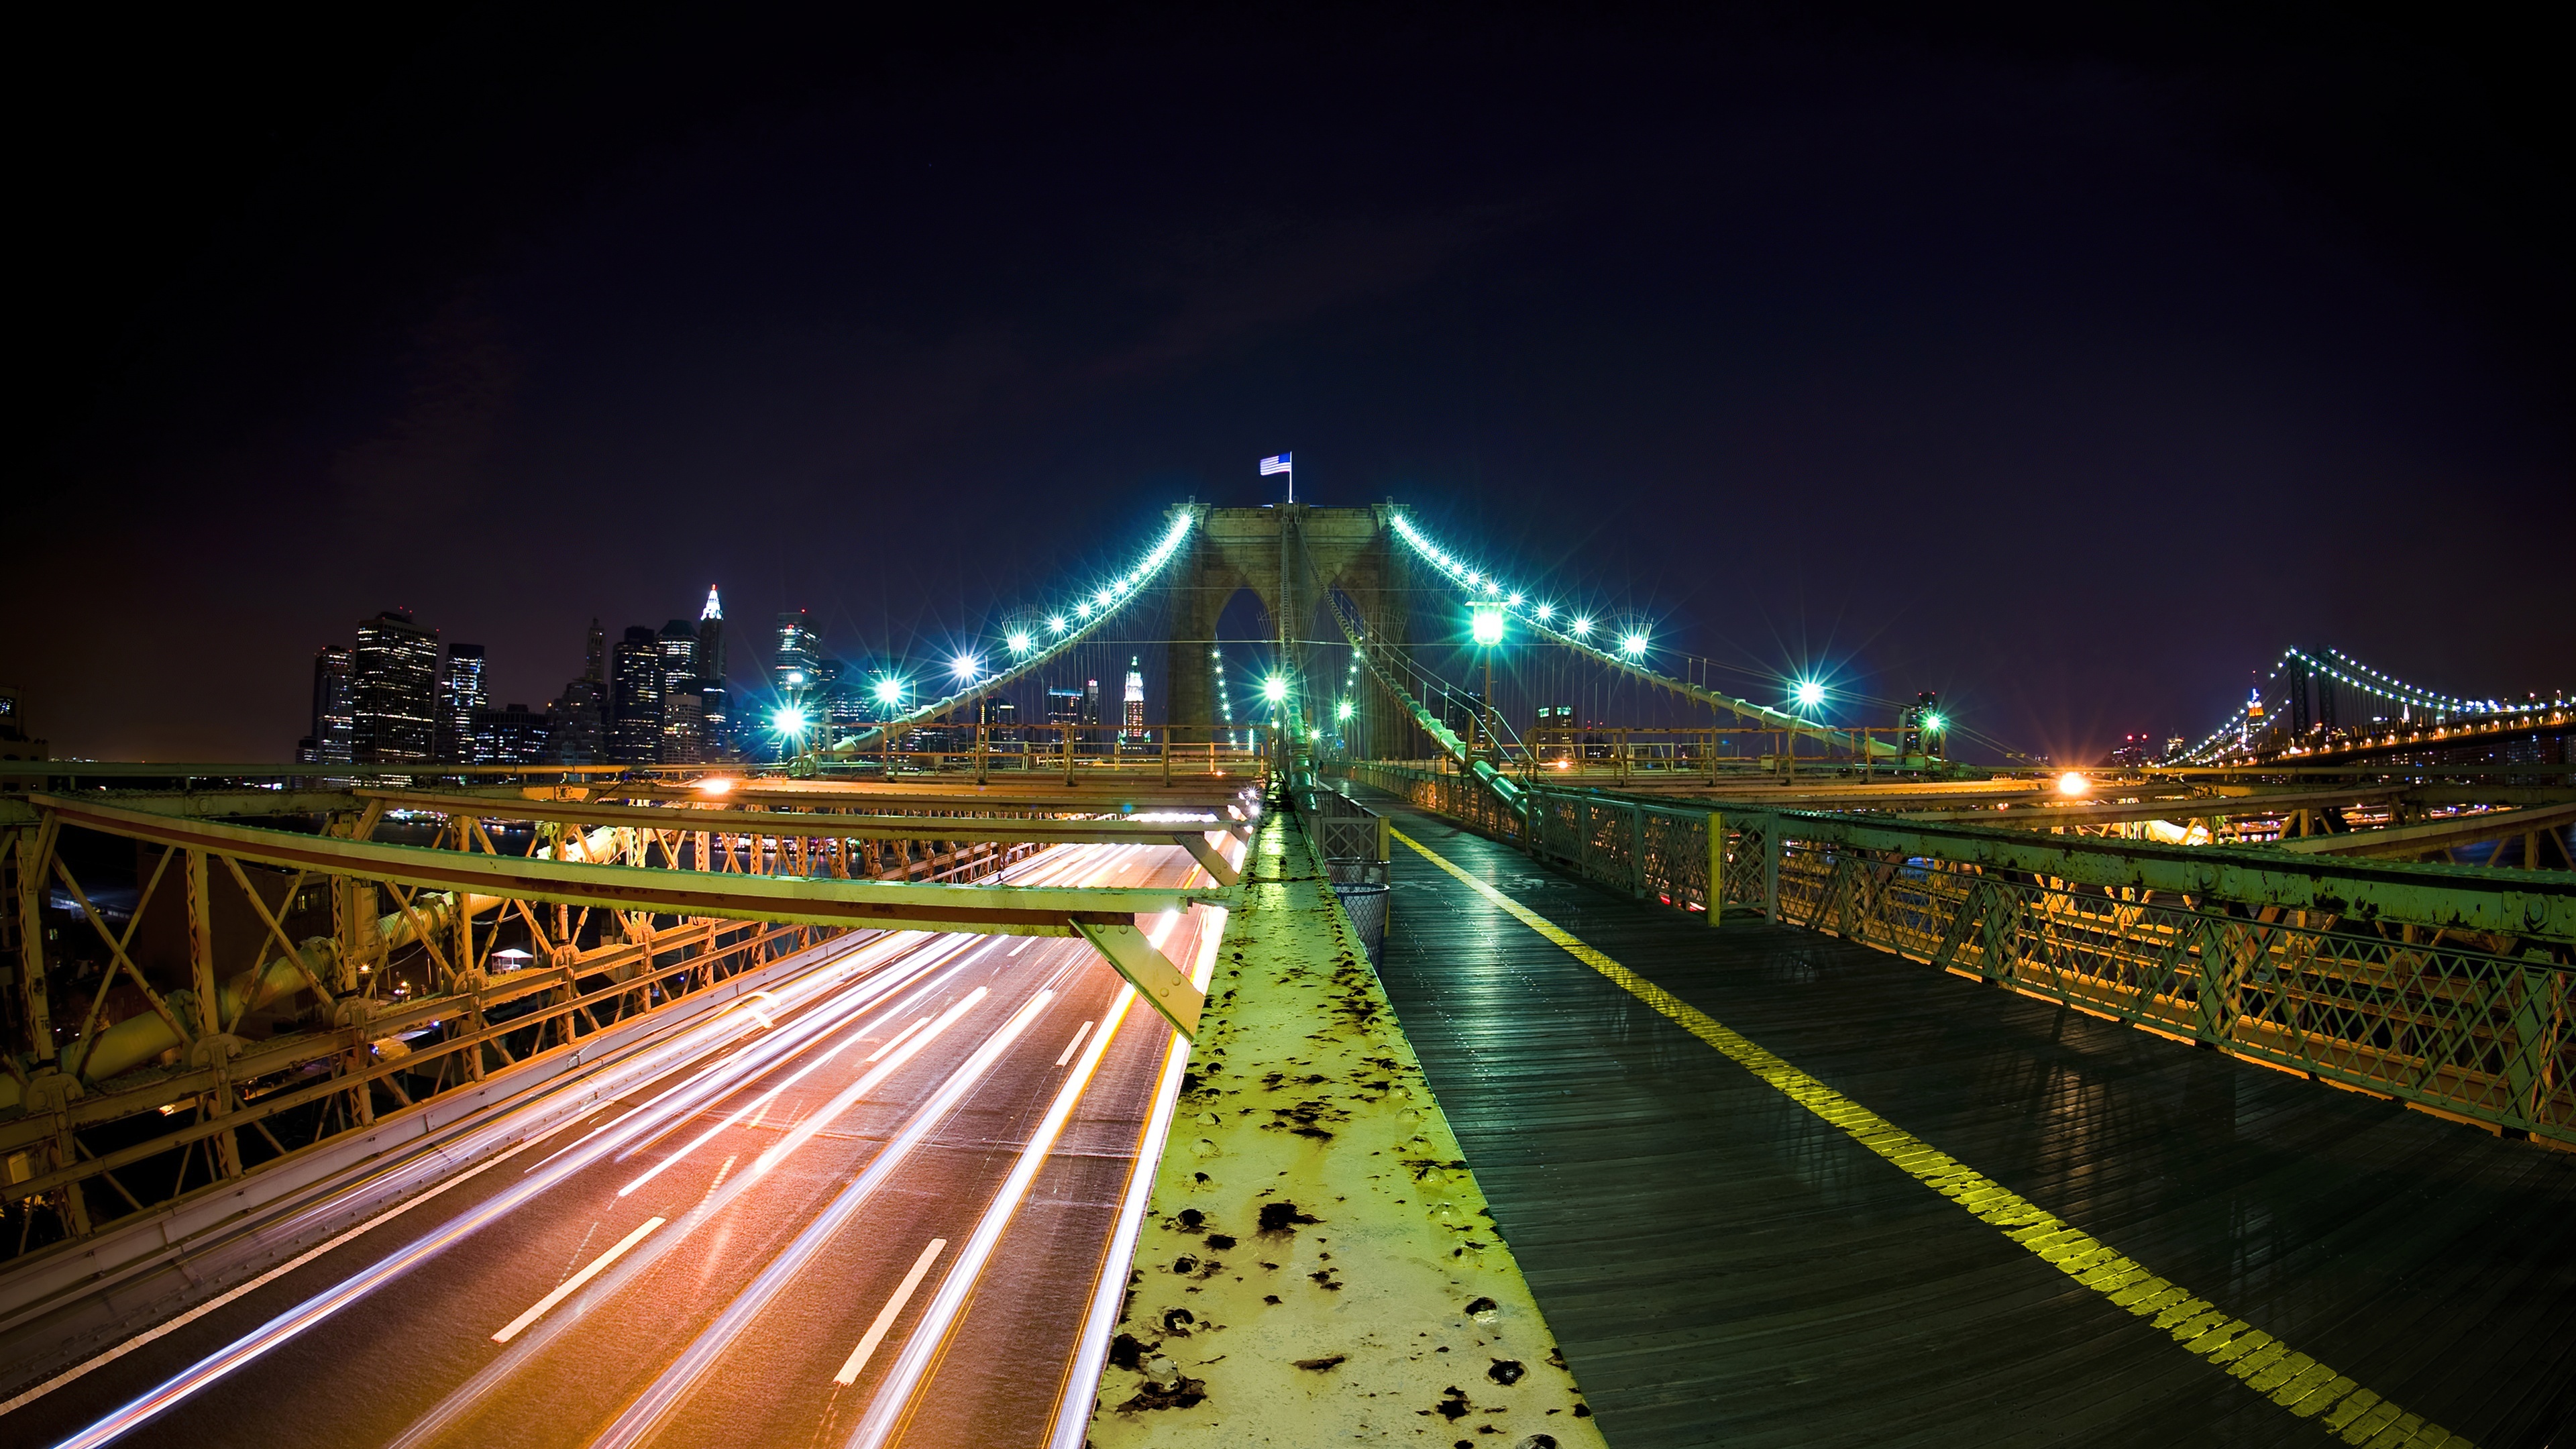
x=1276 y=465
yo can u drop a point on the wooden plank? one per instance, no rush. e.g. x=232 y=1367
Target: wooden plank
x=1722 y=1266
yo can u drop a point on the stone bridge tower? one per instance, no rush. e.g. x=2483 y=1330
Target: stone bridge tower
x=1290 y=556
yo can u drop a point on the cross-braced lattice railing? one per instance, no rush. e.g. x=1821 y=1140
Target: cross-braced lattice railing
x=261 y=994
x=2443 y=987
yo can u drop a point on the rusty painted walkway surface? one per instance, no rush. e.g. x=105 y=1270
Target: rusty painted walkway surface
x=1725 y=1264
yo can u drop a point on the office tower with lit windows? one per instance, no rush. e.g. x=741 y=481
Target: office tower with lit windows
x=460 y=693
x=393 y=691
x=577 y=725
x=335 y=722
x=635 y=698
x=1064 y=706
x=683 y=726
x=838 y=696
x=791 y=668
x=1004 y=718
x=1133 y=711
x=1091 y=701
x=715 y=714
x=511 y=735
x=595 y=654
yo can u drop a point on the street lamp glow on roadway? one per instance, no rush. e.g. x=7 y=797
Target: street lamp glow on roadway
x=788 y=720
x=1488 y=625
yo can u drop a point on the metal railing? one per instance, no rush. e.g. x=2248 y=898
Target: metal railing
x=2451 y=990
x=1354 y=843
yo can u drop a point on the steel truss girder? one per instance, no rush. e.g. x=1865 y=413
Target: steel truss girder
x=1005 y=910
x=815 y=825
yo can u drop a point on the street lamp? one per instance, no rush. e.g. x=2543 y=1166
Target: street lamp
x=1343 y=710
x=1809 y=694
x=1634 y=646
x=888 y=692
x=1019 y=641
x=966 y=667
x=1487 y=627
x=1275 y=688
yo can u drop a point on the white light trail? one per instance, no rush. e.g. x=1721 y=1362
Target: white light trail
x=649 y=1066
x=649 y=1408
x=914 y=1362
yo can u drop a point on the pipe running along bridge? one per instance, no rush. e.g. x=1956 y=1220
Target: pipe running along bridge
x=1601 y=1056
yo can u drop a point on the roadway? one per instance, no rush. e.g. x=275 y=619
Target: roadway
x=880 y=1220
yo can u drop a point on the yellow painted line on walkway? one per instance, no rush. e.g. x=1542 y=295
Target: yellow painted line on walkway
x=2264 y=1364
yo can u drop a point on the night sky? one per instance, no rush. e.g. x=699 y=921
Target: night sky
x=2073 y=372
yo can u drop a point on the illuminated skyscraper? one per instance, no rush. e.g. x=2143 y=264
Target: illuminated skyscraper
x=635 y=699
x=711 y=654
x=791 y=669
x=511 y=735
x=1064 y=706
x=335 y=723
x=1135 y=701
x=595 y=652
x=577 y=725
x=459 y=695
x=683 y=726
x=394 y=691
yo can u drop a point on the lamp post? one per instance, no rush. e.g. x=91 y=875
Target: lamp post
x=1487 y=626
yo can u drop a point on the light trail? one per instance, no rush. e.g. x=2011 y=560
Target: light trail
x=461 y=1401
x=1072 y=1426
x=898 y=1038
x=648 y=1409
x=685 y=1097
x=762 y=1102
x=893 y=1396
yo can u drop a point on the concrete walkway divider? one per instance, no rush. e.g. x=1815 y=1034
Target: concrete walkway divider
x=1317 y=1263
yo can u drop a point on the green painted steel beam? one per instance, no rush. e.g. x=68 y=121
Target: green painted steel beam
x=2457 y=897
x=205 y=804
x=809 y=823
x=2531 y=903
x=1012 y=910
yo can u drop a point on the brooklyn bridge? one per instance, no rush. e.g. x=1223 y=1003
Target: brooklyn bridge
x=1353 y=1048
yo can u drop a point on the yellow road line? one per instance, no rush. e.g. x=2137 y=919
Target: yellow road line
x=2264 y=1364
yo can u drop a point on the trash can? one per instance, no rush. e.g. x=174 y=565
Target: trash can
x=1366 y=902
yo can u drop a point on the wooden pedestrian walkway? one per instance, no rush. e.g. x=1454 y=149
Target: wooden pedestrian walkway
x=1774 y=1188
